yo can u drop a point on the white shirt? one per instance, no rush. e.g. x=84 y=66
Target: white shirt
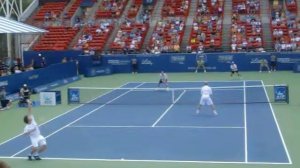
x=163 y=76
x=233 y=67
x=32 y=126
x=206 y=91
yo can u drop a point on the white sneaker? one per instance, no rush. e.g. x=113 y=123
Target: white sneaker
x=197 y=111
x=215 y=113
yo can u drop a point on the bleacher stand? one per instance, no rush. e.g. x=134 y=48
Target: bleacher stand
x=207 y=26
x=246 y=29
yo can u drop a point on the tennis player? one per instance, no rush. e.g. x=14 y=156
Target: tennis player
x=32 y=130
x=234 y=69
x=264 y=64
x=206 y=92
x=273 y=62
x=163 y=79
x=200 y=65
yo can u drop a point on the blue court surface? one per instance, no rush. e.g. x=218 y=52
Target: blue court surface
x=147 y=126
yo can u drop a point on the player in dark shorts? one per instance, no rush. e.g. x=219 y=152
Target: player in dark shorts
x=234 y=69
x=200 y=65
x=273 y=62
x=134 y=65
x=25 y=94
x=163 y=79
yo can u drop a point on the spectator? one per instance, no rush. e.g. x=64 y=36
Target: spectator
x=17 y=70
x=5 y=103
x=3 y=68
x=47 y=16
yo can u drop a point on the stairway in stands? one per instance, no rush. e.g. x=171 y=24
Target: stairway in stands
x=226 y=36
x=156 y=15
x=189 y=24
x=265 y=16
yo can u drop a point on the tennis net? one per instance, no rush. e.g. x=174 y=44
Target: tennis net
x=164 y=96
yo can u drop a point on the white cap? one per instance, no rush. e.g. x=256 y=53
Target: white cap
x=25 y=85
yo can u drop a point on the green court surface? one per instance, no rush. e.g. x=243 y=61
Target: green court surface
x=287 y=116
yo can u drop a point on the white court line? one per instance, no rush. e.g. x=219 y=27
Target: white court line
x=245 y=124
x=157 y=161
x=62 y=114
x=87 y=114
x=277 y=125
x=135 y=126
x=216 y=81
x=167 y=110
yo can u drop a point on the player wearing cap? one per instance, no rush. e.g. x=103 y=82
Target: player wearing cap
x=25 y=94
x=31 y=129
x=234 y=69
x=205 y=99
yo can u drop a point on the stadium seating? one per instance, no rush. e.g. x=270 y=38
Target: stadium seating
x=130 y=37
x=111 y=9
x=58 y=38
x=73 y=9
x=167 y=35
x=207 y=26
x=94 y=37
x=246 y=6
x=284 y=26
x=291 y=5
x=176 y=8
x=206 y=30
x=133 y=11
x=51 y=10
x=246 y=29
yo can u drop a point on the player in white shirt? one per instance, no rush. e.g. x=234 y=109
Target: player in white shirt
x=234 y=69
x=37 y=140
x=206 y=92
x=163 y=79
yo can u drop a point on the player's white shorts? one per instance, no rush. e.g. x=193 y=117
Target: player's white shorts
x=206 y=101
x=38 y=141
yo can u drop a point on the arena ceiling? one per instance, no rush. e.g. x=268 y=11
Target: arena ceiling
x=11 y=26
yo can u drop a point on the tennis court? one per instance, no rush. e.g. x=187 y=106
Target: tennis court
x=141 y=124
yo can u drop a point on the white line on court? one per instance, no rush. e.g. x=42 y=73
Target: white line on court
x=167 y=110
x=87 y=114
x=277 y=125
x=62 y=114
x=214 y=81
x=245 y=123
x=157 y=161
x=135 y=126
